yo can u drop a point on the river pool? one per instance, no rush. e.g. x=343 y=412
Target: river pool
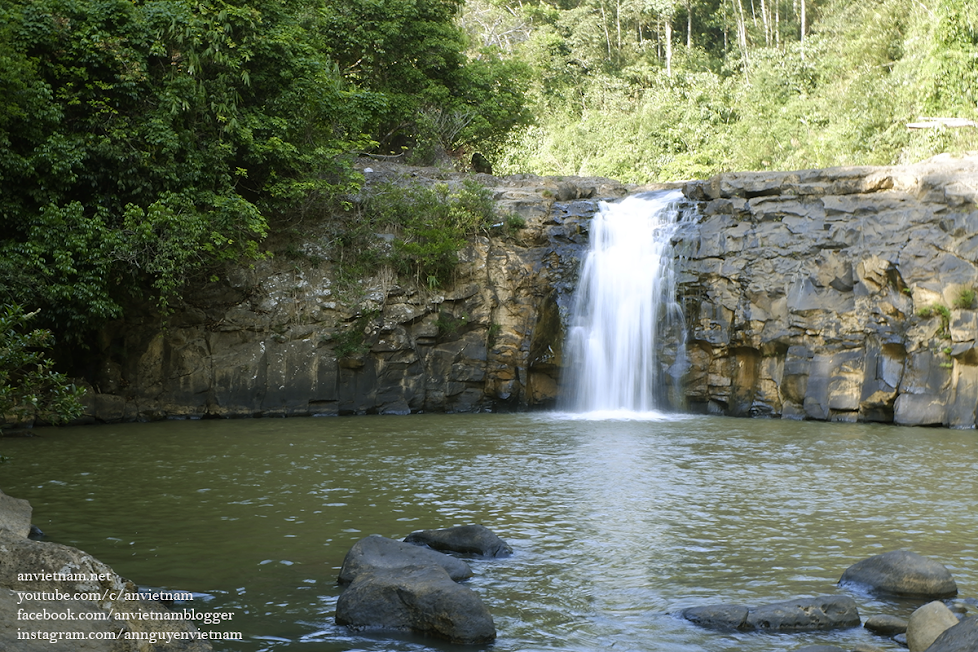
x=617 y=524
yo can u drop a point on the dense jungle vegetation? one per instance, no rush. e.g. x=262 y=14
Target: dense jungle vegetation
x=143 y=143
x=676 y=89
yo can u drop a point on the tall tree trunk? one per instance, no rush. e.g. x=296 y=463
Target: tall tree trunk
x=777 y=23
x=726 y=39
x=741 y=17
x=607 y=35
x=618 y=24
x=767 y=25
x=668 y=20
x=802 y=30
x=689 y=24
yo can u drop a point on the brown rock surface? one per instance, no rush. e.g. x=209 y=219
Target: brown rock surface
x=824 y=289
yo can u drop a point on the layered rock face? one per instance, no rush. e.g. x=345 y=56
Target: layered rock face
x=267 y=341
x=843 y=294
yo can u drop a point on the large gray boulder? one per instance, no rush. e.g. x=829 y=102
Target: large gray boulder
x=800 y=614
x=15 y=515
x=886 y=625
x=963 y=637
x=927 y=623
x=901 y=573
x=717 y=616
x=376 y=552
x=419 y=599
x=803 y=614
x=46 y=570
x=465 y=539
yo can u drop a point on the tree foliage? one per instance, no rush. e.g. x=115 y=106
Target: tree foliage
x=142 y=143
x=412 y=53
x=670 y=89
x=29 y=387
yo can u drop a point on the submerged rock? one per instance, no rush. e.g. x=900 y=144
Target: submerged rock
x=800 y=614
x=962 y=637
x=865 y=647
x=465 y=539
x=419 y=599
x=381 y=553
x=901 y=573
x=927 y=623
x=717 y=616
x=886 y=625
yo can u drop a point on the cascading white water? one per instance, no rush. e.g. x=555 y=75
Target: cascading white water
x=625 y=299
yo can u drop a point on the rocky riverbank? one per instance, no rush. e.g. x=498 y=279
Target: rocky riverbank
x=55 y=594
x=845 y=294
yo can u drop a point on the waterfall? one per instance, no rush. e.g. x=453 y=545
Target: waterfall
x=625 y=301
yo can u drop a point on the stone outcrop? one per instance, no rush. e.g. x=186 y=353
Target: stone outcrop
x=419 y=599
x=376 y=552
x=927 y=623
x=797 y=615
x=54 y=571
x=962 y=637
x=265 y=341
x=844 y=294
x=15 y=515
x=400 y=586
x=475 y=540
x=901 y=573
x=885 y=625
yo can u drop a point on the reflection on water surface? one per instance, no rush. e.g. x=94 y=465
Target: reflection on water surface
x=617 y=524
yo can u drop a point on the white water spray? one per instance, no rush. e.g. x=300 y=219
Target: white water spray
x=625 y=299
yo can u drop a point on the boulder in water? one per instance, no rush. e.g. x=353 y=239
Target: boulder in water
x=963 y=637
x=376 y=552
x=419 y=599
x=465 y=539
x=717 y=616
x=803 y=614
x=901 y=573
x=927 y=623
x=886 y=625
x=15 y=515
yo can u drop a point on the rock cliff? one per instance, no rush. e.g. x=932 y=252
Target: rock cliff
x=843 y=294
x=266 y=341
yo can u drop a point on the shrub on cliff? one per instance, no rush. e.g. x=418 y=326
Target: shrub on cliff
x=427 y=228
x=29 y=387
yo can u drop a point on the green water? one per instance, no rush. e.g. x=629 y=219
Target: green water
x=617 y=525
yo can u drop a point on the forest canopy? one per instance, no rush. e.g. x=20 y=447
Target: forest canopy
x=678 y=89
x=142 y=143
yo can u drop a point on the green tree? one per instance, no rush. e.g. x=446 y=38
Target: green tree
x=411 y=53
x=141 y=142
x=29 y=387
